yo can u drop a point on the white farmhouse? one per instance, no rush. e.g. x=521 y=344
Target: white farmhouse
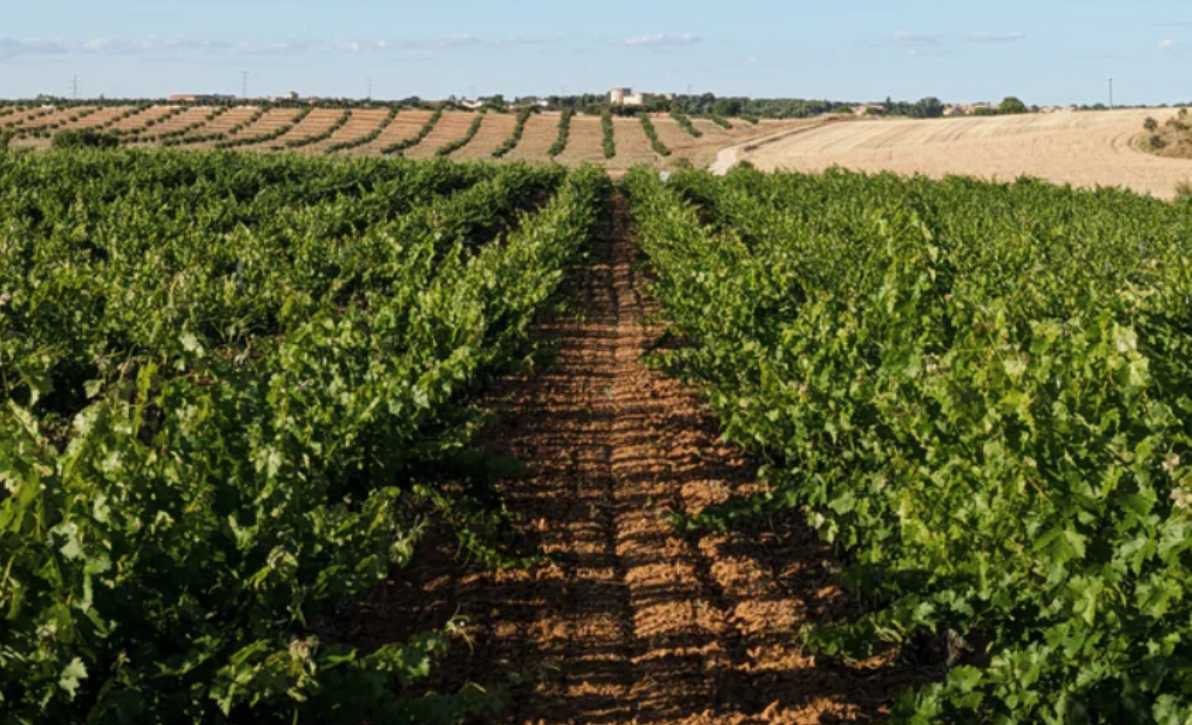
x=625 y=97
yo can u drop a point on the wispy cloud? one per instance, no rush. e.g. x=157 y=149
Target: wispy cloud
x=986 y=37
x=358 y=46
x=154 y=46
x=918 y=40
x=661 y=40
x=927 y=41
x=278 y=48
x=12 y=47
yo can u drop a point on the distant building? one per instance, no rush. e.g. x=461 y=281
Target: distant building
x=626 y=97
x=968 y=109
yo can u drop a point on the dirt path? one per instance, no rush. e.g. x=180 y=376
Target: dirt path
x=727 y=158
x=627 y=621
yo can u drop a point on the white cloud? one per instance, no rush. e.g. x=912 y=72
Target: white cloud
x=904 y=37
x=460 y=40
x=1166 y=44
x=358 y=46
x=985 y=37
x=660 y=40
x=468 y=40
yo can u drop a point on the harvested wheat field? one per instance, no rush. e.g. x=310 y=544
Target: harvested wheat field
x=1083 y=149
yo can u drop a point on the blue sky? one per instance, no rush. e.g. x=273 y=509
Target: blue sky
x=1046 y=51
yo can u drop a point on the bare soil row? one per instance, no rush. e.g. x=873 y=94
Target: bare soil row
x=626 y=620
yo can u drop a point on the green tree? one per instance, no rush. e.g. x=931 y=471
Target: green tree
x=1012 y=104
x=930 y=107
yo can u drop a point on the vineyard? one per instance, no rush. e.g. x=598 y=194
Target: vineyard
x=289 y=437
x=979 y=395
x=522 y=134
x=229 y=384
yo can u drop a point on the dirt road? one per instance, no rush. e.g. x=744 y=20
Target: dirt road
x=628 y=621
x=1083 y=149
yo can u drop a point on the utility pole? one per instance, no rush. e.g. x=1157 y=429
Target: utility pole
x=369 y=89
x=1111 y=91
x=244 y=84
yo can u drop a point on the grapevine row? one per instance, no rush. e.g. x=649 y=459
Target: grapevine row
x=515 y=137
x=366 y=138
x=402 y=145
x=685 y=123
x=452 y=146
x=339 y=123
x=652 y=134
x=267 y=136
x=978 y=394
x=608 y=134
x=561 y=141
x=243 y=417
